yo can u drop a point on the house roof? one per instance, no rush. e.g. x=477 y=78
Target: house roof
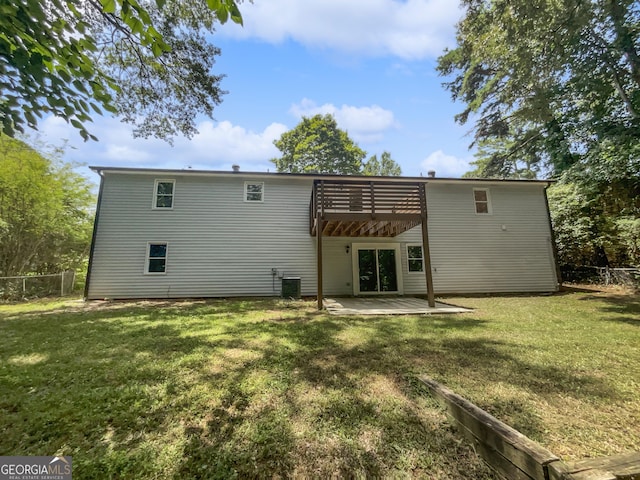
x=314 y=176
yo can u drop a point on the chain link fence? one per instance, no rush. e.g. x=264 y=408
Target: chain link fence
x=619 y=276
x=602 y=275
x=37 y=286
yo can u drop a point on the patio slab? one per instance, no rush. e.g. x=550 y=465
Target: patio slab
x=387 y=306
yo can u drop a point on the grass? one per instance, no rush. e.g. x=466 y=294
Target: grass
x=266 y=388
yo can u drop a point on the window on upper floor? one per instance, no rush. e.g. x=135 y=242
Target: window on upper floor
x=415 y=259
x=163 y=192
x=482 y=201
x=156 y=262
x=253 y=191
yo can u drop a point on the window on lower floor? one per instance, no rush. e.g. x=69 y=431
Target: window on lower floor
x=156 y=258
x=415 y=258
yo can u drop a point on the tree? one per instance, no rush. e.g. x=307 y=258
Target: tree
x=494 y=160
x=386 y=166
x=147 y=61
x=45 y=212
x=554 y=87
x=554 y=78
x=317 y=145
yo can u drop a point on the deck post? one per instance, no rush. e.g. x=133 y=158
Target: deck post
x=319 y=228
x=426 y=254
x=319 y=257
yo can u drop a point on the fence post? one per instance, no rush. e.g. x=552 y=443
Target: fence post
x=62 y=284
x=24 y=286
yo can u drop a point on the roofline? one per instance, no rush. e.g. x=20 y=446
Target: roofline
x=314 y=176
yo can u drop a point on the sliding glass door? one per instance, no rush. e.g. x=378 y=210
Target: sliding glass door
x=377 y=269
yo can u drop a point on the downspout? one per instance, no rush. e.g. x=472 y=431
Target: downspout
x=93 y=237
x=554 y=247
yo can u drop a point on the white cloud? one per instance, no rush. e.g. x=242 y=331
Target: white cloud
x=216 y=146
x=231 y=143
x=445 y=165
x=409 y=29
x=364 y=124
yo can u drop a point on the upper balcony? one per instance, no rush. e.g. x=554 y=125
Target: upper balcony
x=360 y=208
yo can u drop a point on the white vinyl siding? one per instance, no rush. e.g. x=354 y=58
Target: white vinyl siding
x=472 y=253
x=222 y=247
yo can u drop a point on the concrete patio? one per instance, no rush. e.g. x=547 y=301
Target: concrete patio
x=387 y=306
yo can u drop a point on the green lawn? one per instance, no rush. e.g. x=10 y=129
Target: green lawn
x=267 y=388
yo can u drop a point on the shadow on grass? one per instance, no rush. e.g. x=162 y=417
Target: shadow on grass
x=222 y=306
x=219 y=390
x=626 y=308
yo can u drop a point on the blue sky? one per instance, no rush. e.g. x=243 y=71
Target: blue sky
x=371 y=63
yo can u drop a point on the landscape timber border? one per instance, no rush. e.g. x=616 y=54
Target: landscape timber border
x=514 y=456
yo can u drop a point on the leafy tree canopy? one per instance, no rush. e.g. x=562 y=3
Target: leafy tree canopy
x=317 y=145
x=386 y=166
x=553 y=81
x=146 y=61
x=45 y=211
x=553 y=87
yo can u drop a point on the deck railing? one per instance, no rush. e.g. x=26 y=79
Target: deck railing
x=385 y=207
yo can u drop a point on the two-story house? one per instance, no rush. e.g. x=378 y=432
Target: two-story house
x=188 y=233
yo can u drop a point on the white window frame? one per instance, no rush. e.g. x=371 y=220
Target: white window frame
x=409 y=258
x=488 y=202
x=246 y=192
x=148 y=258
x=154 y=201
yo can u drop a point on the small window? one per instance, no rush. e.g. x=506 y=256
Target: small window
x=482 y=201
x=415 y=258
x=163 y=193
x=253 y=192
x=156 y=258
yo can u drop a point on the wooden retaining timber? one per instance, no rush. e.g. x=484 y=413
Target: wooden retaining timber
x=618 y=467
x=516 y=457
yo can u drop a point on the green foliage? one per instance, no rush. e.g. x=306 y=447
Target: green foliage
x=629 y=235
x=386 y=166
x=577 y=234
x=317 y=145
x=494 y=159
x=73 y=59
x=591 y=230
x=554 y=87
x=553 y=79
x=45 y=212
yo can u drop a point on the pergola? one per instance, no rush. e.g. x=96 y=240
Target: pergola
x=376 y=208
